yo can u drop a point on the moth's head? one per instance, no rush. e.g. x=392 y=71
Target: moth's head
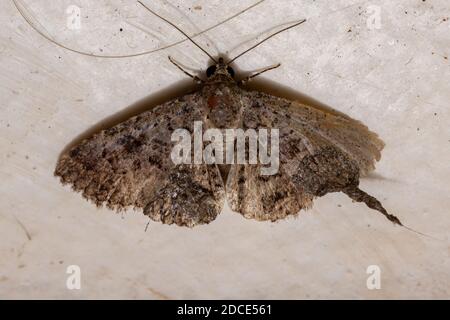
x=220 y=69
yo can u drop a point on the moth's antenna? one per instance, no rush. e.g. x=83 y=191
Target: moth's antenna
x=28 y=20
x=264 y=40
x=184 y=33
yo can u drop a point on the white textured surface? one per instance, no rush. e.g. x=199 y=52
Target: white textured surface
x=395 y=79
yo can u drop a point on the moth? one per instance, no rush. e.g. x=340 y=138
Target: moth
x=129 y=165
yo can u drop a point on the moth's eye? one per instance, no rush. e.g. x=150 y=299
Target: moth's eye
x=230 y=71
x=210 y=71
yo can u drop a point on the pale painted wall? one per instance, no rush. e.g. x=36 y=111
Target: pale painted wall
x=395 y=79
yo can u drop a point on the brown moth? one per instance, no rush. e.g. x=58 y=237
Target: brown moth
x=129 y=165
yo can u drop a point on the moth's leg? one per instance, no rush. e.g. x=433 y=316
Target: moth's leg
x=245 y=80
x=196 y=79
x=360 y=196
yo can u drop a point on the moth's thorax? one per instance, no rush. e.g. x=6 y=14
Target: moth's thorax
x=222 y=104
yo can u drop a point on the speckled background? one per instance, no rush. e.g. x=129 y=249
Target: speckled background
x=382 y=62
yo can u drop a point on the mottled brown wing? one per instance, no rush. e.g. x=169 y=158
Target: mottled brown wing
x=338 y=130
x=129 y=165
x=319 y=152
x=267 y=197
x=264 y=197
